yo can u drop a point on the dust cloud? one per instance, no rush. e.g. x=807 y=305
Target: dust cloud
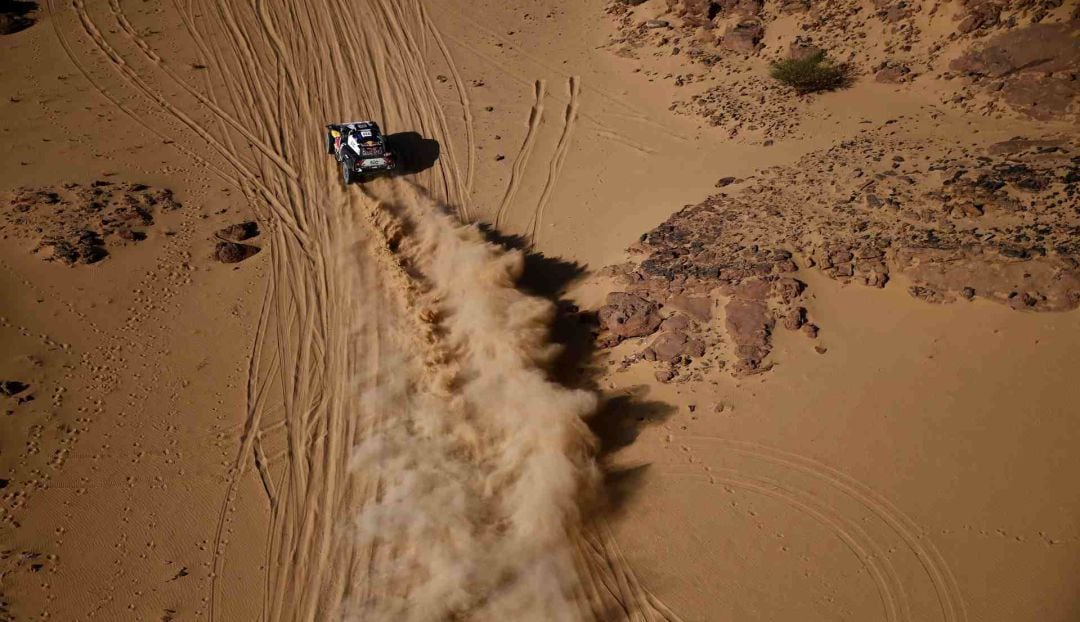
x=482 y=462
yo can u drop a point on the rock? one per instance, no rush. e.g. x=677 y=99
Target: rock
x=795 y=318
x=131 y=235
x=810 y=330
x=233 y=252
x=656 y=23
x=789 y=289
x=725 y=181
x=968 y=293
x=967 y=209
x=744 y=37
x=240 y=231
x=1042 y=97
x=794 y=6
x=801 y=48
x=1038 y=48
x=626 y=315
x=664 y=375
x=892 y=74
x=677 y=322
x=753 y=289
x=979 y=15
x=671 y=347
x=12 y=387
x=926 y=293
x=700 y=308
x=1022 y=301
x=1017 y=145
x=749 y=326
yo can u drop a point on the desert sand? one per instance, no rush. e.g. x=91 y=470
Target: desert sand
x=640 y=333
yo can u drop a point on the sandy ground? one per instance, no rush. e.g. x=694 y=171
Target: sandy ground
x=356 y=422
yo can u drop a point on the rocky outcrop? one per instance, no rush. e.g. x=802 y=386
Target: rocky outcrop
x=80 y=223
x=625 y=316
x=233 y=252
x=996 y=222
x=1033 y=69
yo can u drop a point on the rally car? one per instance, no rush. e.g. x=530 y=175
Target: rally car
x=361 y=149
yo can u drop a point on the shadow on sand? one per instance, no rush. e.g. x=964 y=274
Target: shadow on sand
x=620 y=418
x=415 y=153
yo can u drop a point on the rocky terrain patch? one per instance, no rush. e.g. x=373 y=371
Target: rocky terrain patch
x=81 y=223
x=1014 y=57
x=999 y=222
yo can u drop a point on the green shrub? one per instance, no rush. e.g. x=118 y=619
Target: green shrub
x=810 y=74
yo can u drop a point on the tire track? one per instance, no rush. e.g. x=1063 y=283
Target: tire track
x=374 y=354
x=557 y=160
x=934 y=567
x=536 y=116
x=930 y=559
x=463 y=96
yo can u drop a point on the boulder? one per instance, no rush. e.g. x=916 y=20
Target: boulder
x=672 y=346
x=1038 y=48
x=744 y=37
x=233 y=252
x=240 y=231
x=12 y=387
x=626 y=316
x=749 y=326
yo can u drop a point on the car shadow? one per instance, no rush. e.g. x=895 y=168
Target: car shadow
x=414 y=152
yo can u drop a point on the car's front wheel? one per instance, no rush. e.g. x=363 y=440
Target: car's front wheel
x=347 y=173
x=329 y=143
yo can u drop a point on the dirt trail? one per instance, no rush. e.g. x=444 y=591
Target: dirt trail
x=416 y=460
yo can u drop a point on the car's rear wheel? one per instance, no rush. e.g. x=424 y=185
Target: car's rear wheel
x=347 y=173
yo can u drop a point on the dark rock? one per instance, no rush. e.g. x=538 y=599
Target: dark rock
x=1022 y=300
x=795 y=318
x=749 y=325
x=16 y=15
x=240 y=231
x=233 y=252
x=802 y=48
x=1038 y=48
x=12 y=387
x=744 y=37
x=926 y=293
x=725 y=181
x=892 y=74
